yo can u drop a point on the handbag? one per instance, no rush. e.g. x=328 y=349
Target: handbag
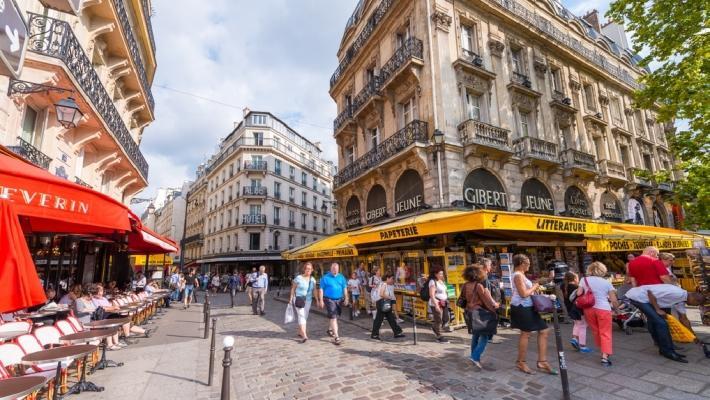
x=300 y=301
x=384 y=305
x=542 y=303
x=586 y=299
x=461 y=301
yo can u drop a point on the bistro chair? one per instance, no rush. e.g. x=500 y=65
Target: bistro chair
x=30 y=344
x=10 y=355
x=65 y=327
x=76 y=324
x=21 y=326
x=48 y=336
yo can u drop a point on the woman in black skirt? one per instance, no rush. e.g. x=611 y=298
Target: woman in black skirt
x=524 y=317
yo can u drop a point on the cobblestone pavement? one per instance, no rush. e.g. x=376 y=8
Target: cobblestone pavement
x=270 y=364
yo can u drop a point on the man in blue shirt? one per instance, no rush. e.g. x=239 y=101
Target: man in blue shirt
x=259 y=288
x=333 y=291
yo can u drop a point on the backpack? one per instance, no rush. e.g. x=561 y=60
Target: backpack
x=424 y=291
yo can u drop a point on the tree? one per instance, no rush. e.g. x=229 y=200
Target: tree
x=676 y=35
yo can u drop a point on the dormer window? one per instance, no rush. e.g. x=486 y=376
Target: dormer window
x=258 y=119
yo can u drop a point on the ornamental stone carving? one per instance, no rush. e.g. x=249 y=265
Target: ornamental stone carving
x=496 y=47
x=525 y=102
x=594 y=129
x=442 y=20
x=629 y=112
x=540 y=66
x=564 y=118
x=472 y=81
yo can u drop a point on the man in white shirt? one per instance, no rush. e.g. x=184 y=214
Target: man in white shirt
x=175 y=286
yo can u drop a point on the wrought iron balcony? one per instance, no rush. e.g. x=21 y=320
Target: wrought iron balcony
x=577 y=163
x=370 y=90
x=254 y=191
x=521 y=79
x=255 y=165
x=411 y=48
x=148 y=16
x=342 y=118
x=484 y=135
x=472 y=58
x=133 y=47
x=413 y=132
x=375 y=18
x=536 y=151
x=54 y=38
x=78 y=181
x=31 y=153
x=277 y=221
x=253 y=219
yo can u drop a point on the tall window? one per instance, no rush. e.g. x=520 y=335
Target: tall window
x=32 y=127
x=468 y=39
x=255 y=183
x=473 y=105
x=556 y=75
x=303 y=220
x=254 y=241
x=277 y=215
x=277 y=166
x=277 y=236
x=638 y=115
x=258 y=138
x=589 y=97
x=370 y=75
x=303 y=240
x=325 y=225
x=524 y=124
x=616 y=110
x=236 y=242
x=349 y=155
x=304 y=179
x=291 y=194
x=624 y=152
x=517 y=59
x=291 y=217
x=255 y=209
x=315 y=183
x=408 y=111
x=277 y=190
x=315 y=202
x=373 y=137
x=303 y=198
x=291 y=238
x=315 y=223
x=402 y=36
x=647 y=163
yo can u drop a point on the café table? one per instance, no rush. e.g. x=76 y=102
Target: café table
x=53 y=313
x=9 y=335
x=87 y=336
x=106 y=324
x=17 y=388
x=65 y=354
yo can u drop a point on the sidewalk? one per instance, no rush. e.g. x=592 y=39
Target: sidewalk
x=269 y=363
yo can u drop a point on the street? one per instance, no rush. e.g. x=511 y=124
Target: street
x=269 y=363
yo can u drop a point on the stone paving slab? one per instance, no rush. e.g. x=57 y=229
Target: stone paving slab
x=269 y=363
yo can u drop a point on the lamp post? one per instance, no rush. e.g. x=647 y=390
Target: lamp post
x=68 y=112
x=228 y=343
x=438 y=140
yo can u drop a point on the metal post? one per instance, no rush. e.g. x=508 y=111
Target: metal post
x=561 y=356
x=414 y=320
x=352 y=306
x=226 y=364
x=214 y=328
x=207 y=316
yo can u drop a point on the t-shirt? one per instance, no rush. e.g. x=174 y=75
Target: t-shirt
x=560 y=269
x=190 y=280
x=647 y=271
x=362 y=276
x=600 y=288
x=304 y=287
x=666 y=295
x=215 y=280
x=100 y=302
x=66 y=299
x=354 y=286
x=333 y=285
x=84 y=309
x=233 y=281
x=440 y=292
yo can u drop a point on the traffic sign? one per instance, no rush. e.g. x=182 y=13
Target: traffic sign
x=13 y=38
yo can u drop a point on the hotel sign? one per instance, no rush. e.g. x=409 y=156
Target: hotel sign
x=481 y=189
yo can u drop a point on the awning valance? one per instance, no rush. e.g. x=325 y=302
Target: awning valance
x=145 y=241
x=630 y=237
x=334 y=246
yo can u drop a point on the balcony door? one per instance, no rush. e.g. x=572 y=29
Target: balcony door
x=258 y=138
x=255 y=209
x=408 y=111
x=33 y=126
x=473 y=105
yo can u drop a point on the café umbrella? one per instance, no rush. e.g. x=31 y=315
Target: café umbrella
x=20 y=284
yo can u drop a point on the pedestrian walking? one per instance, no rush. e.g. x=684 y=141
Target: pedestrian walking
x=482 y=309
x=301 y=297
x=493 y=286
x=598 y=316
x=250 y=284
x=524 y=317
x=385 y=300
x=233 y=285
x=258 y=289
x=373 y=284
x=579 y=329
x=438 y=303
x=354 y=288
x=332 y=294
x=215 y=283
x=189 y=282
x=174 y=285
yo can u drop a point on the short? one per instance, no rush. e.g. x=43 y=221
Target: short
x=332 y=307
x=188 y=291
x=356 y=298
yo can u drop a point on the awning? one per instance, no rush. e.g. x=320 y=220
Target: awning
x=145 y=241
x=47 y=203
x=334 y=246
x=153 y=260
x=443 y=222
x=630 y=237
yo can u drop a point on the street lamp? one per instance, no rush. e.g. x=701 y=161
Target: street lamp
x=438 y=139
x=68 y=112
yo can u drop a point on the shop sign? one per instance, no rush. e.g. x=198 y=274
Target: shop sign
x=352 y=212
x=409 y=193
x=602 y=245
x=376 y=204
x=399 y=233
x=155 y=259
x=517 y=222
x=576 y=204
x=481 y=189
x=535 y=198
x=43 y=200
x=611 y=208
x=333 y=253
x=636 y=214
x=13 y=38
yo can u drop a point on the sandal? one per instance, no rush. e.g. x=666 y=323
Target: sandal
x=544 y=366
x=522 y=366
x=337 y=341
x=330 y=333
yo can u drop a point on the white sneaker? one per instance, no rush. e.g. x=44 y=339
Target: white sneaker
x=400 y=320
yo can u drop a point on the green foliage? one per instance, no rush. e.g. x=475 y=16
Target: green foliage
x=676 y=34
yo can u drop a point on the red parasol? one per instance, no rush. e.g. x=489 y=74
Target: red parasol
x=20 y=284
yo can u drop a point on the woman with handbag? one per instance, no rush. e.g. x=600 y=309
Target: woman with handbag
x=301 y=296
x=598 y=313
x=481 y=309
x=524 y=317
x=438 y=303
x=384 y=299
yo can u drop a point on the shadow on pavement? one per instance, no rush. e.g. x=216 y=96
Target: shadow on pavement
x=176 y=377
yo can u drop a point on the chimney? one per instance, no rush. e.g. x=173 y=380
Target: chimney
x=245 y=112
x=236 y=124
x=592 y=18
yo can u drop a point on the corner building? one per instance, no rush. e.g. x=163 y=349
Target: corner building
x=533 y=106
x=267 y=190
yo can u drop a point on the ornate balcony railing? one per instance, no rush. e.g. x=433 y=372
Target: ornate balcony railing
x=612 y=169
x=255 y=165
x=31 y=153
x=54 y=38
x=361 y=39
x=78 y=181
x=148 y=16
x=530 y=147
x=134 y=49
x=342 y=118
x=521 y=79
x=634 y=177
x=371 y=88
x=415 y=131
x=561 y=97
x=481 y=133
x=253 y=219
x=472 y=58
x=254 y=191
x=411 y=47
x=572 y=158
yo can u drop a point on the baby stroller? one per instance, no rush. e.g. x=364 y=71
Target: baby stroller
x=627 y=316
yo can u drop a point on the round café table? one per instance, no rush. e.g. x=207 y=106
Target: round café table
x=87 y=336
x=9 y=335
x=53 y=313
x=65 y=354
x=105 y=324
x=17 y=388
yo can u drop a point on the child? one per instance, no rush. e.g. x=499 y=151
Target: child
x=579 y=330
x=354 y=288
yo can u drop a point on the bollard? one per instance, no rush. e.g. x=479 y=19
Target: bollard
x=207 y=316
x=214 y=328
x=561 y=356
x=414 y=321
x=226 y=364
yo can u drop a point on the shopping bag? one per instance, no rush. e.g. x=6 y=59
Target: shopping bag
x=290 y=316
x=679 y=332
x=542 y=303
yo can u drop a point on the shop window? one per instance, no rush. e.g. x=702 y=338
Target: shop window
x=254 y=241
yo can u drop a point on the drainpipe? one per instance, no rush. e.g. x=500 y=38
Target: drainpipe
x=433 y=95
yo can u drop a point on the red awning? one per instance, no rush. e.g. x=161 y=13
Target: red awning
x=145 y=241
x=47 y=203
x=20 y=284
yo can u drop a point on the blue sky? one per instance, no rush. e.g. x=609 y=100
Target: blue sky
x=271 y=55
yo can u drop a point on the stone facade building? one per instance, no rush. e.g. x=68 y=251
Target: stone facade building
x=267 y=190
x=193 y=242
x=506 y=104
x=103 y=56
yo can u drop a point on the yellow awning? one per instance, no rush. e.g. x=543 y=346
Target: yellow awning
x=630 y=237
x=153 y=260
x=334 y=246
x=443 y=222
